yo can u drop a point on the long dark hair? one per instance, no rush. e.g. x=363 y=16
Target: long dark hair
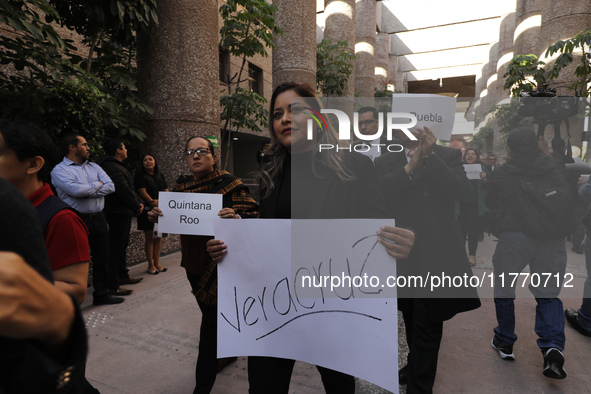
x=272 y=169
x=477 y=155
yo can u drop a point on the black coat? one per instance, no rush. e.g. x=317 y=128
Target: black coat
x=426 y=203
x=124 y=202
x=325 y=196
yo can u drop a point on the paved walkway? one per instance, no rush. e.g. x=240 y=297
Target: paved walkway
x=148 y=344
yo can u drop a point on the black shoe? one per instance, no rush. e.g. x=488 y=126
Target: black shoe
x=403 y=375
x=577 y=249
x=120 y=291
x=107 y=299
x=505 y=351
x=130 y=281
x=553 y=363
x=571 y=317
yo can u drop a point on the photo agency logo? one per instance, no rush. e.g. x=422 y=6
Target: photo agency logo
x=361 y=142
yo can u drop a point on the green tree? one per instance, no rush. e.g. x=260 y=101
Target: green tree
x=576 y=49
x=521 y=70
x=333 y=67
x=248 y=30
x=567 y=49
x=44 y=80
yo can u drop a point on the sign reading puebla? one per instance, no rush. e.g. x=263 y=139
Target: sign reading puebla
x=409 y=111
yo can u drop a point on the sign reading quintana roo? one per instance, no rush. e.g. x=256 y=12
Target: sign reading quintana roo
x=431 y=110
x=188 y=213
x=264 y=311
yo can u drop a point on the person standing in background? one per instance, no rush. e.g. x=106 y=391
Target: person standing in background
x=148 y=182
x=83 y=185
x=119 y=208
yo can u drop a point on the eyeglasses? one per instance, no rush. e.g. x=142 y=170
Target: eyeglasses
x=201 y=152
x=367 y=123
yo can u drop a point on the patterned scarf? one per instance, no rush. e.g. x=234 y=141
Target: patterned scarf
x=236 y=196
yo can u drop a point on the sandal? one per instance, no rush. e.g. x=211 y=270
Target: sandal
x=163 y=269
x=155 y=272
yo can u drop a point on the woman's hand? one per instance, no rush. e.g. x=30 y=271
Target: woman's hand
x=153 y=214
x=397 y=241
x=228 y=213
x=216 y=249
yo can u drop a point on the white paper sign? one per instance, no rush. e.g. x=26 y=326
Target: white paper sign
x=432 y=110
x=188 y=213
x=473 y=170
x=262 y=313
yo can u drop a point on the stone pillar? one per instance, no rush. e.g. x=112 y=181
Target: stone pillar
x=560 y=21
x=504 y=56
x=294 y=56
x=382 y=61
x=365 y=47
x=178 y=77
x=340 y=26
x=528 y=19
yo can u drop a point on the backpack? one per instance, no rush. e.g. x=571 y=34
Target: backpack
x=546 y=205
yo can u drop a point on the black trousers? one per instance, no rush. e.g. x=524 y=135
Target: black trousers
x=207 y=363
x=270 y=375
x=98 y=240
x=471 y=225
x=119 y=228
x=424 y=338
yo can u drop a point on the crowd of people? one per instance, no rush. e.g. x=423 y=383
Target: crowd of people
x=424 y=187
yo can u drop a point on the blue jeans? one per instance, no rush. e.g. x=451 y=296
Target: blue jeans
x=513 y=253
x=584 y=318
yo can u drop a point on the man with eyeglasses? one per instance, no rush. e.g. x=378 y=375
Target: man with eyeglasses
x=368 y=125
x=83 y=185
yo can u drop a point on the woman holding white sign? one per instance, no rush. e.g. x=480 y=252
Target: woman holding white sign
x=471 y=207
x=201 y=270
x=299 y=181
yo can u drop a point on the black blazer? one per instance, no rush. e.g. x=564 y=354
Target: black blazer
x=325 y=196
x=426 y=203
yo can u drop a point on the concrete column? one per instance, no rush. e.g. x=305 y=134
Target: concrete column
x=340 y=26
x=528 y=19
x=560 y=21
x=365 y=47
x=178 y=78
x=294 y=56
x=504 y=56
x=382 y=60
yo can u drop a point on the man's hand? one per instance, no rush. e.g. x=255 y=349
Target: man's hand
x=427 y=141
x=216 y=249
x=543 y=145
x=397 y=241
x=153 y=214
x=30 y=306
x=414 y=161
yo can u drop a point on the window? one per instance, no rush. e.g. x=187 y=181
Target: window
x=255 y=79
x=224 y=64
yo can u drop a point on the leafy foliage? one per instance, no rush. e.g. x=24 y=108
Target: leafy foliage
x=523 y=66
x=333 y=67
x=45 y=80
x=520 y=72
x=248 y=30
x=582 y=42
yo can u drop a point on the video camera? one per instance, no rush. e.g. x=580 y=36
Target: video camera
x=547 y=108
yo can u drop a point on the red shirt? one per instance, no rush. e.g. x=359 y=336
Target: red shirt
x=66 y=235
